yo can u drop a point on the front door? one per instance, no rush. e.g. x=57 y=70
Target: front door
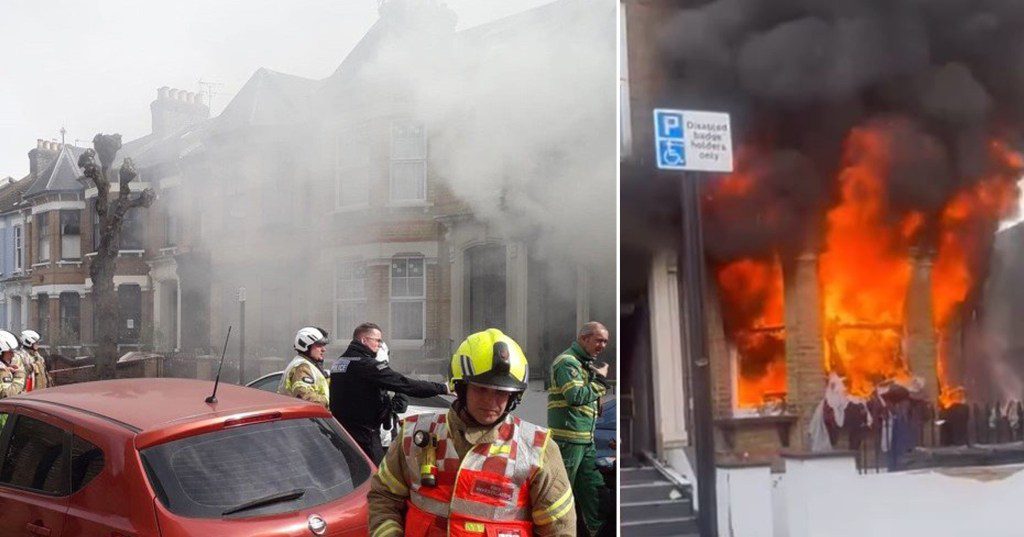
x=486 y=286
x=33 y=473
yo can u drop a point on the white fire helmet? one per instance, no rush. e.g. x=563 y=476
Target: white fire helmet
x=29 y=338
x=7 y=341
x=309 y=336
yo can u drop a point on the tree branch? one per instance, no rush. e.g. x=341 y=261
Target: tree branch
x=92 y=171
x=123 y=205
x=126 y=175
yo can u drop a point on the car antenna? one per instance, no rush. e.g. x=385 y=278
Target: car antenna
x=213 y=397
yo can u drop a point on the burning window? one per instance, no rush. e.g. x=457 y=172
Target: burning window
x=865 y=355
x=751 y=293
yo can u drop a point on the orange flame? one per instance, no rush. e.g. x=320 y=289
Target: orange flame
x=752 y=312
x=865 y=270
x=967 y=225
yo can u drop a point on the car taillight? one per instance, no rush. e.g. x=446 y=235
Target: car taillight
x=259 y=418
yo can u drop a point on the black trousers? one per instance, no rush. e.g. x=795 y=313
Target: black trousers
x=370 y=444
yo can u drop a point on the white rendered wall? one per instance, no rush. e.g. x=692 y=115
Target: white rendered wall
x=828 y=498
x=745 y=502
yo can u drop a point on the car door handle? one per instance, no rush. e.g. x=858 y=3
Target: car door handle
x=38 y=528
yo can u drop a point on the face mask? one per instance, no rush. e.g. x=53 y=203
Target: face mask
x=382 y=354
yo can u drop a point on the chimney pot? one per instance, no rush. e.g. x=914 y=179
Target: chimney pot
x=161 y=93
x=40 y=143
x=174 y=94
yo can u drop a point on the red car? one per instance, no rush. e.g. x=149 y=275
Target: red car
x=149 y=457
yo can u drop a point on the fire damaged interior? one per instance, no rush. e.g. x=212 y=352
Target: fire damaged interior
x=862 y=257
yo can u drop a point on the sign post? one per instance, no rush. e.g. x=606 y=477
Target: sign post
x=690 y=142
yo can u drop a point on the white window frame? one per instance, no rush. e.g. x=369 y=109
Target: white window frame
x=348 y=163
x=63 y=253
x=401 y=160
x=41 y=239
x=19 y=248
x=421 y=298
x=340 y=301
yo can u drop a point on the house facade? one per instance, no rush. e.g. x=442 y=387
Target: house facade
x=312 y=202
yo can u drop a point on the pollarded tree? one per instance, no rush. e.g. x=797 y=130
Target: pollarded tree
x=111 y=219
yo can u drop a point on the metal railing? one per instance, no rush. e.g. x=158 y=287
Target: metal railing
x=915 y=434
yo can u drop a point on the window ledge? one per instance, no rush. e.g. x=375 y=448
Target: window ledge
x=350 y=208
x=120 y=253
x=69 y=262
x=43 y=264
x=170 y=250
x=406 y=344
x=403 y=204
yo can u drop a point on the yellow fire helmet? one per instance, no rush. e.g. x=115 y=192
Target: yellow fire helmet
x=491 y=359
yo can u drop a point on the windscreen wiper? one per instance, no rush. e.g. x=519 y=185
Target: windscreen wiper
x=279 y=497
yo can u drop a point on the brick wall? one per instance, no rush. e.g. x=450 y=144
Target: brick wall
x=805 y=379
x=921 y=341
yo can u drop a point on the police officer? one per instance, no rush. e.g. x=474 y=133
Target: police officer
x=576 y=388
x=475 y=469
x=32 y=361
x=360 y=380
x=12 y=376
x=304 y=377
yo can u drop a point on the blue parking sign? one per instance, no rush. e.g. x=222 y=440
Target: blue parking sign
x=669 y=140
x=671 y=153
x=669 y=124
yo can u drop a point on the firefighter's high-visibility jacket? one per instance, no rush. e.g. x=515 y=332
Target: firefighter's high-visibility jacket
x=12 y=379
x=507 y=479
x=305 y=380
x=36 y=375
x=574 y=396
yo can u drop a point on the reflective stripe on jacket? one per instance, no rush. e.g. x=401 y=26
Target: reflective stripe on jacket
x=303 y=379
x=487 y=492
x=574 y=396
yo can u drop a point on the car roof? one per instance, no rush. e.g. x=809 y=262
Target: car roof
x=148 y=403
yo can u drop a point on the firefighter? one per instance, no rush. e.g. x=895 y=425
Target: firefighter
x=304 y=377
x=32 y=361
x=12 y=376
x=362 y=379
x=576 y=388
x=475 y=469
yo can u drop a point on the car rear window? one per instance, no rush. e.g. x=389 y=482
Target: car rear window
x=208 y=475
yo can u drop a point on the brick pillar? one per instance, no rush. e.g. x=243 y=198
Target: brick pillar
x=921 y=344
x=718 y=351
x=805 y=378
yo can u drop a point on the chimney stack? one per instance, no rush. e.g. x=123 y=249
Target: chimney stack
x=175 y=109
x=42 y=156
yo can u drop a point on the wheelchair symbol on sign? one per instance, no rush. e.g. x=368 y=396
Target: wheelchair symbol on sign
x=673 y=153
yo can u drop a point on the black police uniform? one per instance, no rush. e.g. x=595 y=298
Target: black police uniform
x=358 y=395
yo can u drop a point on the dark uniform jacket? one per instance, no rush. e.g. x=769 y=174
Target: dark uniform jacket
x=358 y=395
